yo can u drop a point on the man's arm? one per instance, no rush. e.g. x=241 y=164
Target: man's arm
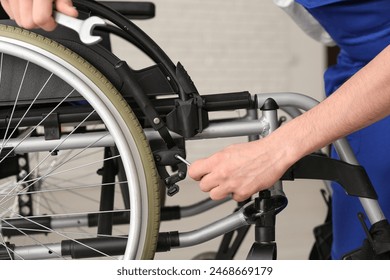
x=245 y=169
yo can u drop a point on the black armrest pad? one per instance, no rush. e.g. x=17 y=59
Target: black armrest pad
x=133 y=10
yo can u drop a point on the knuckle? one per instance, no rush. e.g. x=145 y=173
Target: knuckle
x=203 y=187
x=26 y=23
x=42 y=19
x=224 y=174
x=241 y=195
x=215 y=195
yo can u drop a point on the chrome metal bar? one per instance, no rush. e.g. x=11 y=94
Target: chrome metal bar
x=291 y=111
x=218 y=228
x=76 y=141
x=221 y=129
x=36 y=252
x=200 y=207
x=69 y=221
x=253 y=115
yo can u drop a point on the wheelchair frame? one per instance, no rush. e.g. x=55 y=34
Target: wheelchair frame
x=169 y=122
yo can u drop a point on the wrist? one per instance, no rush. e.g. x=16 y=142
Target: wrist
x=289 y=144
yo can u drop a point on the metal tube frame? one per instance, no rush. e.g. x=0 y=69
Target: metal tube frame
x=267 y=124
x=241 y=127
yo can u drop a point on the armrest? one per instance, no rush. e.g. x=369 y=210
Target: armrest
x=133 y=10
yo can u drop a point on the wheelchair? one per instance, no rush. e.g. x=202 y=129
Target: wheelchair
x=79 y=124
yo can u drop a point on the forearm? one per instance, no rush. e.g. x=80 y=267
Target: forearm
x=361 y=101
x=244 y=169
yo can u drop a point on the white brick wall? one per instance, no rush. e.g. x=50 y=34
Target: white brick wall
x=233 y=45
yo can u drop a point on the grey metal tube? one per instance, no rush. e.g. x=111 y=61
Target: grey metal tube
x=75 y=141
x=291 y=111
x=233 y=129
x=287 y=99
x=218 y=228
x=70 y=221
x=253 y=115
x=37 y=252
x=200 y=207
x=222 y=129
x=271 y=116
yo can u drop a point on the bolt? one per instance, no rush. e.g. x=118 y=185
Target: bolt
x=24 y=198
x=25 y=210
x=22 y=173
x=22 y=162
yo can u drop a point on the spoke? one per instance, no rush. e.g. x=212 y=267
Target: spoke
x=43 y=171
x=79 y=187
x=47 y=156
x=78 y=195
x=35 y=127
x=30 y=219
x=32 y=238
x=75 y=168
x=10 y=250
x=80 y=234
x=31 y=182
x=35 y=180
x=69 y=235
x=75 y=180
x=59 y=215
x=65 y=158
x=14 y=107
x=25 y=113
x=74 y=158
x=55 y=167
x=47 y=200
x=54 y=200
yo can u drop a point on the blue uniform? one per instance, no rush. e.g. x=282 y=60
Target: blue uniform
x=361 y=28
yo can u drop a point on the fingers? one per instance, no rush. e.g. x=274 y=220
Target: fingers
x=10 y=9
x=218 y=193
x=66 y=7
x=42 y=11
x=239 y=191
x=31 y=14
x=199 y=169
x=238 y=194
x=239 y=170
x=215 y=178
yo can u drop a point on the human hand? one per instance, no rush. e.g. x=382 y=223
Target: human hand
x=241 y=169
x=31 y=14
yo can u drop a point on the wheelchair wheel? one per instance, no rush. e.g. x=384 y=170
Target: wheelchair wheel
x=78 y=178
